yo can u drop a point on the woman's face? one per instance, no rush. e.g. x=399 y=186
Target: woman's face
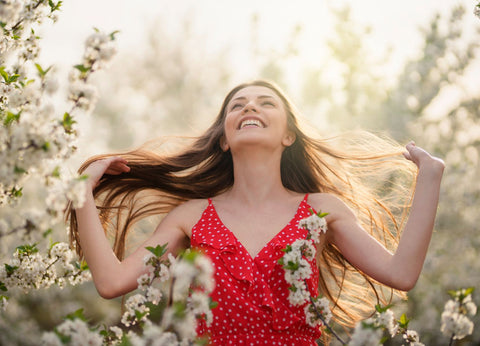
x=256 y=116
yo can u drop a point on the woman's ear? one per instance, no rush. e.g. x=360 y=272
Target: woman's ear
x=289 y=138
x=223 y=144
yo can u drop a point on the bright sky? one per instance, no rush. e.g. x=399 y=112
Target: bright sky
x=395 y=23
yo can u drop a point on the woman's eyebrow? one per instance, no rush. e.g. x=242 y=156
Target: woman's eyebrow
x=258 y=97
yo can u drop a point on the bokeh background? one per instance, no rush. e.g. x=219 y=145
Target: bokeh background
x=409 y=69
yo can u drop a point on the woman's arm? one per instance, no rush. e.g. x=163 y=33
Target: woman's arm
x=112 y=277
x=401 y=269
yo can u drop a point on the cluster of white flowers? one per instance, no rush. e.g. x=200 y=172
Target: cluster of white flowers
x=17 y=18
x=188 y=280
x=297 y=270
x=33 y=143
x=365 y=334
x=371 y=331
x=33 y=140
x=192 y=280
x=29 y=269
x=296 y=265
x=99 y=49
x=320 y=306
x=455 y=317
x=76 y=330
x=315 y=224
x=135 y=310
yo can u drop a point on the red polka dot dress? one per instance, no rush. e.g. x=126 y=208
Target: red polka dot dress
x=252 y=294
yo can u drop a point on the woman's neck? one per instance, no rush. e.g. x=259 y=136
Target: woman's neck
x=257 y=177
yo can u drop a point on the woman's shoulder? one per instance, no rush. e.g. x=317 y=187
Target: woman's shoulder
x=188 y=213
x=329 y=203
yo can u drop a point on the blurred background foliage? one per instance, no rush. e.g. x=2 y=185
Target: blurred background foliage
x=173 y=86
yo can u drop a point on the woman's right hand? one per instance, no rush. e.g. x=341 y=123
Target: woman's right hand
x=112 y=165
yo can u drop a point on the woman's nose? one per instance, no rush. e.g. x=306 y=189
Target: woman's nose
x=250 y=106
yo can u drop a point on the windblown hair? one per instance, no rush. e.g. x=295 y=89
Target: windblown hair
x=364 y=170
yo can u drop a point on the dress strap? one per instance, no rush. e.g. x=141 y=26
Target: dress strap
x=305 y=199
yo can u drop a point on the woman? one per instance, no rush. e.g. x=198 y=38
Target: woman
x=255 y=175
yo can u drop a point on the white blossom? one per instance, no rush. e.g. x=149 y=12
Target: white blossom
x=99 y=49
x=50 y=339
x=117 y=331
x=199 y=305
x=387 y=320
x=79 y=333
x=298 y=294
x=3 y=303
x=83 y=95
x=321 y=306
x=456 y=324
x=135 y=303
x=144 y=281
x=314 y=223
x=366 y=335
x=154 y=295
x=411 y=336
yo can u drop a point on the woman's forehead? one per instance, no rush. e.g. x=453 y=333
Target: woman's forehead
x=255 y=91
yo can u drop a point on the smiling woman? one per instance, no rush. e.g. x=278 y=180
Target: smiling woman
x=238 y=193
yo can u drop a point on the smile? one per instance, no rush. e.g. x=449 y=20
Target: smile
x=251 y=123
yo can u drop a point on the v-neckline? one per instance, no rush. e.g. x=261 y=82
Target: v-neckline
x=253 y=258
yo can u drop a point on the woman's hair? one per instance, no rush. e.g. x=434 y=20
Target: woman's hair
x=364 y=170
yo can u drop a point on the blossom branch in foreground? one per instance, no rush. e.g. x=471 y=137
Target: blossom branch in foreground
x=189 y=278
x=455 y=321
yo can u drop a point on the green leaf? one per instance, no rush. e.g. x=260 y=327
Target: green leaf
x=139 y=315
x=4 y=74
x=68 y=122
x=47 y=233
x=16 y=192
x=403 y=321
x=381 y=309
x=10 y=269
x=46 y=146
x=83 y=265
x=3 y=288
x=56 y=172
x=82 y=68
x=189 y=256
x=112 y=35
x=27 y=249
x=18 y=170
x=213 y=304
x=41 y=71
x=54 y=6
x=159 y=250
x=83 y=177
x=11 y=117
x=76 y=315
x=383 y=340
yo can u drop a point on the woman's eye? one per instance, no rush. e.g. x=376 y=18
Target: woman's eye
x=268 y=103
x=237 y=105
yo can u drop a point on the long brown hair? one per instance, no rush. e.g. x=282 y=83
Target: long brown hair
x=366 y=171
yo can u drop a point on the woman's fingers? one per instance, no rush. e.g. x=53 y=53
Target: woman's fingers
x=421 y=157
x=111 y=165
x=117 y=165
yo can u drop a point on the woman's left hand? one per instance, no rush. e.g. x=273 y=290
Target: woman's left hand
x=422 y=158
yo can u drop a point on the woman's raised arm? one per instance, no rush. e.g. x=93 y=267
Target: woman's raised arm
x=112 y=277
x=401 y=269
